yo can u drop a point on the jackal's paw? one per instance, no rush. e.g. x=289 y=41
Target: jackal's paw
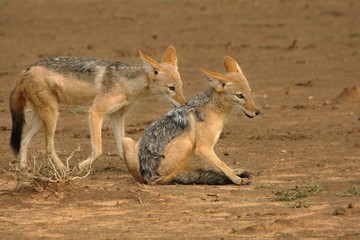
x=242 y=173
x=242 y=181
x=24 y=167
x=84 y=166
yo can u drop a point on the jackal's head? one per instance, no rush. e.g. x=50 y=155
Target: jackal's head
x=164 y=77
x=233 y=88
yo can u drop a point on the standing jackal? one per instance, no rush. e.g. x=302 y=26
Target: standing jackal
x=110 y=88
x=161 y=155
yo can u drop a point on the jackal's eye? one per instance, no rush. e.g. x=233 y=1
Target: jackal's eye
x=156 y=71
x=240 y=96
x=171 y=88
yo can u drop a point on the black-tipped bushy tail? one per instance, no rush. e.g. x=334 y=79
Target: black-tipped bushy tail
x=207 y=177
x=17 y=105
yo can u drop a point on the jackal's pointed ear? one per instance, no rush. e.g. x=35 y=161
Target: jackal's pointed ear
x=170 y=56
x=231 y=65
x=149 y=64
x=217 y=80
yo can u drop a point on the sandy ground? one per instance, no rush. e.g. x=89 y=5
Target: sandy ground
x=304 y=149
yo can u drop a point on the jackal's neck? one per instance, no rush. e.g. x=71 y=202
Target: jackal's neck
x=130 y=78
x=217 y=102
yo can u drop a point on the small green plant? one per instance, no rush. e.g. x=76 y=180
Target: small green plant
x=354 y=191
x=296 y=192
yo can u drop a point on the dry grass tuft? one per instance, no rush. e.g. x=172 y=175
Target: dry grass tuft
x=42 y=175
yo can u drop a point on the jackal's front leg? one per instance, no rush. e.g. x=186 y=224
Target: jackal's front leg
x=96 y=121
x=118 y=126
x=242 y=173
x=103 y=106
x=209 y=156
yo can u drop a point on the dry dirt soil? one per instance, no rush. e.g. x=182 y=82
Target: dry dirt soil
x=304 y=149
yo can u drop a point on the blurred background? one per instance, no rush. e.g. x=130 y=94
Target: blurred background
x=301 y=59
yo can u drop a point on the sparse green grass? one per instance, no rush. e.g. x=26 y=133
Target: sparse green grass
x=299 y=204
x=128 y=17
x=324 y=37
x=244 y=46
x=354 y=191
x=268 y=47
x=2 y=4
x=356 y=181
x=354 y=35
x=296 y=192
x=282 y=234
x=178 y=193
x=78 y=109
x=265 y=186
x=353 y=234
x=3 y=72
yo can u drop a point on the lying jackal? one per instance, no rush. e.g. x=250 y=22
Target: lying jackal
x=110 y=88
x=161 y=155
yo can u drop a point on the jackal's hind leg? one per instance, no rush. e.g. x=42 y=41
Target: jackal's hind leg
x=36 y=126
x=130 y=150
x=49 y=116
x=176 y=159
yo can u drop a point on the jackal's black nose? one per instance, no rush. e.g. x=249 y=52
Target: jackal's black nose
x=257 y=112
